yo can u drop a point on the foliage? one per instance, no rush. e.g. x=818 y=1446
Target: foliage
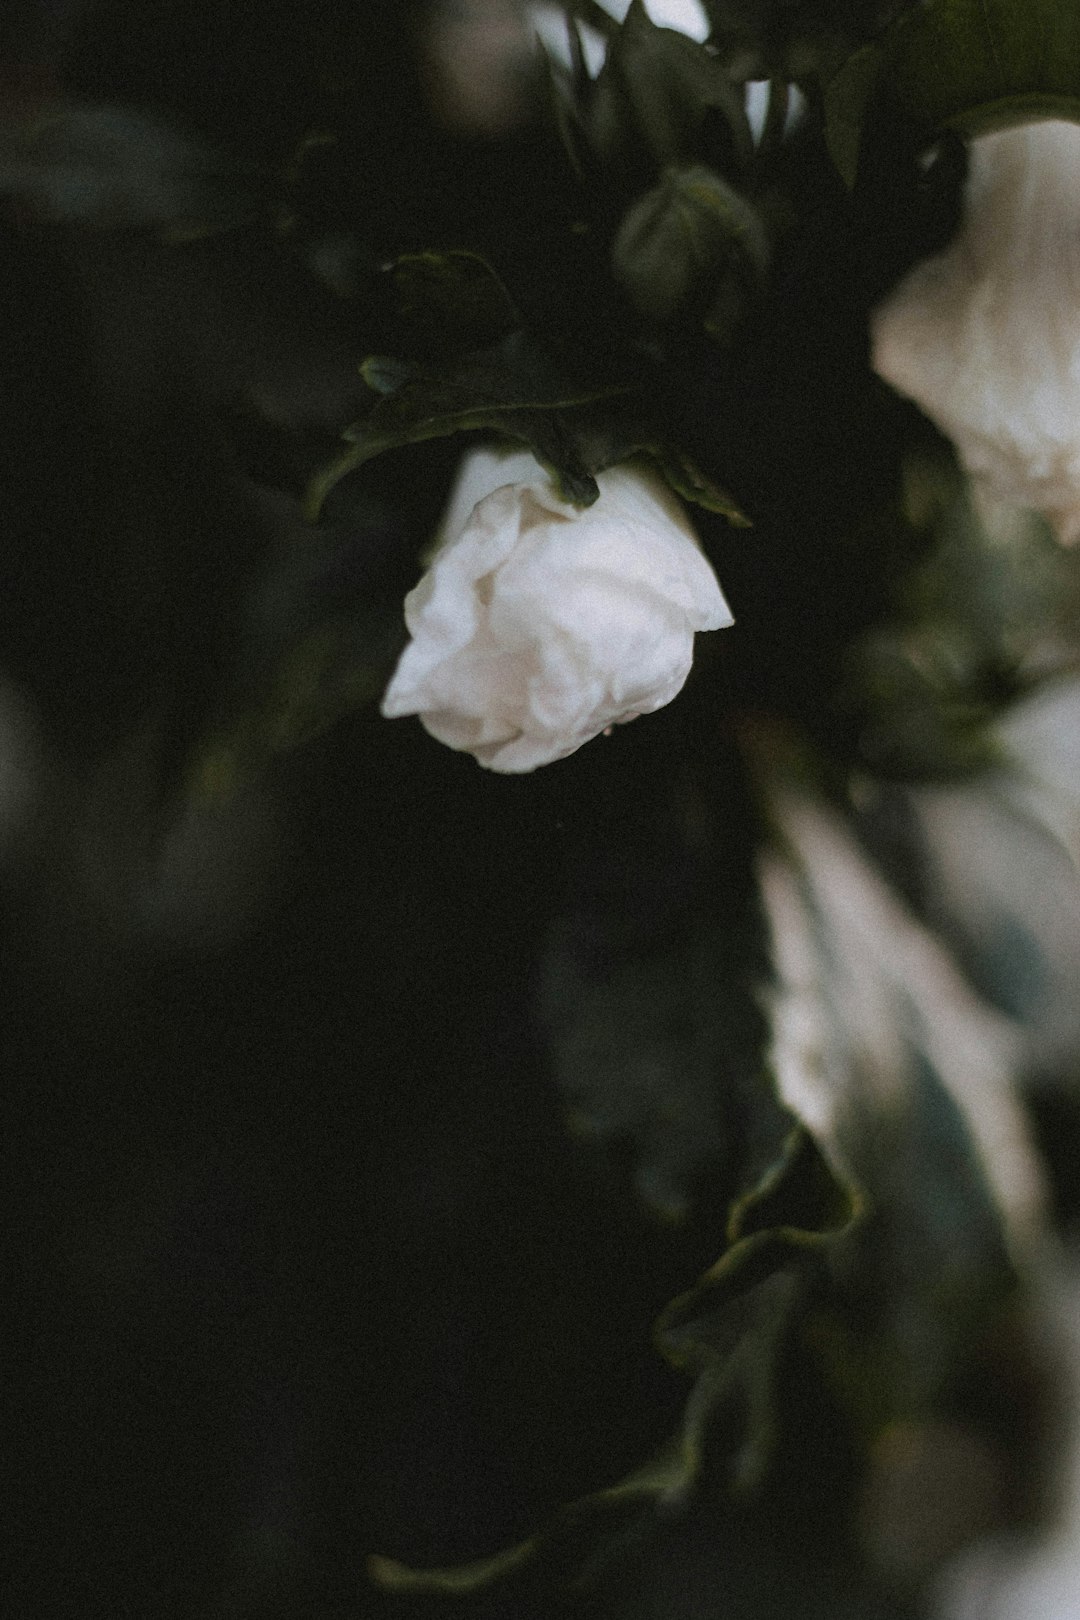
x=774 y=1003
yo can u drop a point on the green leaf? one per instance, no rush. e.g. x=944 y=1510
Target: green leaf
x=793 y=39
x=332 y=671
x=908 y=1082
x=966 y=65
x=653 y=96
x=978 y=64
x=318 y=638
x=637 y=1045
x=694 y=485
x=993 y=598
x=451 y=302
x=511 y=389
x=384 y=374
x=993 y=866
x=543 y=430
x=754 y=1292
x=892 y=1198
x=847 y=97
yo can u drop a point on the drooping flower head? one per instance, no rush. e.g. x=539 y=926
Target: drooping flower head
x=539 y=624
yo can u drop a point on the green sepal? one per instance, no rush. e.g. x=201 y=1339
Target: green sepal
x=690 y=481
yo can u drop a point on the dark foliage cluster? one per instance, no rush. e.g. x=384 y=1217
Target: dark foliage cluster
x=412 y=1202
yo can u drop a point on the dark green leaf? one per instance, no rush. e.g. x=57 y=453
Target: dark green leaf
x=688 y=480
x=451 y=302
x=990 y=865
x=733 y=1349
x=993 y=598
x=967 y=65
x=329 y=673
x=908 y=1083
x=654 y=94
x=637 y=1046
x=512 y=389
x=384 y=374
x=543 y=430
x=847 y=96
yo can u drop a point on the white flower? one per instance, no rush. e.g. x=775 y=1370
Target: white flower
x=539 y=624
x=986 y=336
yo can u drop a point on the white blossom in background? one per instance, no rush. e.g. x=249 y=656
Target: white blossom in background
x=539 y=624
x=549 y=20
x=985 y=336
x=757 y=93
x=684 y=16
x=477 y=59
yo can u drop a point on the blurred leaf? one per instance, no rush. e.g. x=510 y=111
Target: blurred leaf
x=638 y=1046
x=114 y=167
x=847 y=96
x=991 y=864
x=793 y=39
x=990 y=609
x=647 y=978
x=660 y=99
x=728 y=1330
x=318 y=639
x=761 y=1279
x=967 y=65
x=908 y=1083
x=869 y=1011
x=328 y=674
x=888 y=1201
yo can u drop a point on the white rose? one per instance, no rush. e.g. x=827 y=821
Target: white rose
x=986 y=336
x=539 y=624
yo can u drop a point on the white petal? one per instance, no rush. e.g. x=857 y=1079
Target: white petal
x=986 y=336
x=539 y=624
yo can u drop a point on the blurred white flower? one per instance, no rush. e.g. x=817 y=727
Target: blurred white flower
x=684 y=16
x=539 y=623
x=985 y=337
x=478 y=58
x=549 y=22
x=757 y=94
